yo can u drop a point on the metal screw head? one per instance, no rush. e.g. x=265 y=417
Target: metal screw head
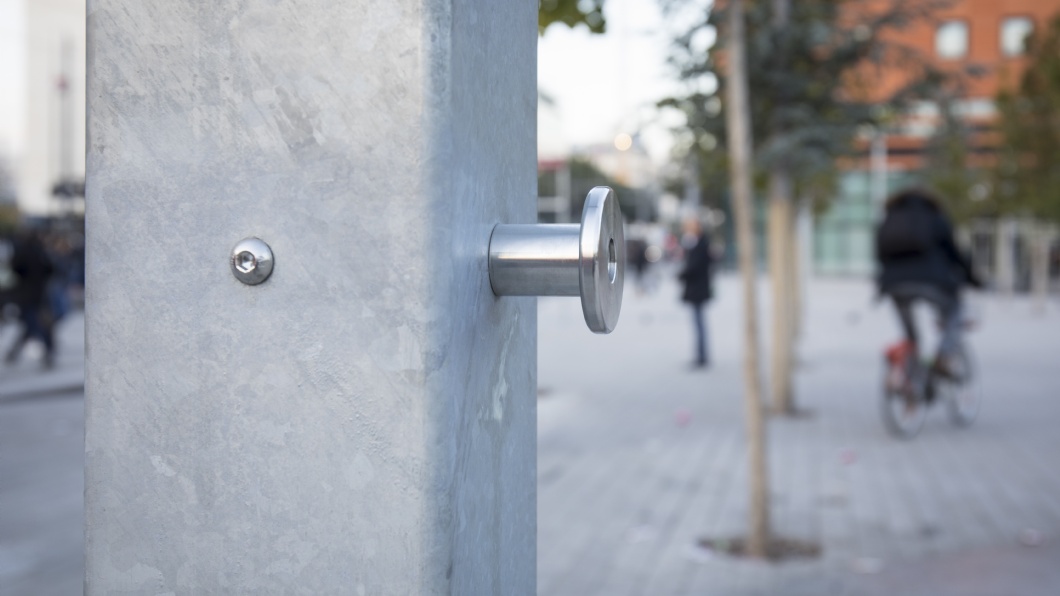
x=251 y=261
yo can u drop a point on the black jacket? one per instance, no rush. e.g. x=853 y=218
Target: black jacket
x=33 y=267
x=697 y=273
x=941 y=266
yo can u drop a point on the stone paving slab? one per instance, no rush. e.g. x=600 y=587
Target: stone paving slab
x=42 y=489
x=42 y=467
x=639 y=457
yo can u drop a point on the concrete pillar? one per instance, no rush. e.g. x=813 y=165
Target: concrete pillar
x=1004 y=257
x=364 y=421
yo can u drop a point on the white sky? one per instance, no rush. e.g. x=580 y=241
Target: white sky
x=608 y=84
x=12 y=75
x=603 y=84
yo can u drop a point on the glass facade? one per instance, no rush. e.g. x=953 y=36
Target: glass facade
x=843 y=234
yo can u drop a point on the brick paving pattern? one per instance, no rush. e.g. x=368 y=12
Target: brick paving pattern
x=639 y=457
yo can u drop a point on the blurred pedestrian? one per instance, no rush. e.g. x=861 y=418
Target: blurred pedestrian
x=58 y=295
x=33 y=270
x=919 y=261
x=697 y=275
x=636 y=249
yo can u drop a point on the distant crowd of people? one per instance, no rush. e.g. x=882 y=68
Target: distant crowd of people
x=45 y=268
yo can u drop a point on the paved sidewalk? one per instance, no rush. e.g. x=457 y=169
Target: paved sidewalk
x=26 y=378
x=42 y=454
x=42 y=487
x=639 y=457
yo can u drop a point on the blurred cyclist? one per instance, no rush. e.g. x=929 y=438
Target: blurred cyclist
x=919 y=261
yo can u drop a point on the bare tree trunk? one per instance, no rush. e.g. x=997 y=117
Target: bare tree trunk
x=800 y=268
x=739 y=131
x=781 y=261
x=780 y=264
x=791 y=282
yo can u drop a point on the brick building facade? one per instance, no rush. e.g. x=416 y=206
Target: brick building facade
x=980 y=40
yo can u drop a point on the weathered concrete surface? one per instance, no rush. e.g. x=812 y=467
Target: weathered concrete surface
x=363 y=422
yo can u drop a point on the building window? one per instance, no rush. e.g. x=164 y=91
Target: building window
x=1014 y=32
x=951 y=40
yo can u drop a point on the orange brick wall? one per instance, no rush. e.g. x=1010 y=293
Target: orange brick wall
x=984 y=18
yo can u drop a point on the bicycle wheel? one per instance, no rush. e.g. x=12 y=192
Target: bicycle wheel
x=961 y=392
x=903 y=412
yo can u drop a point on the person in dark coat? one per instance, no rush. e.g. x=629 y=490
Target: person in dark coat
x=33 y=269
x=637 y=251
x=697 y=276
x=918 y=260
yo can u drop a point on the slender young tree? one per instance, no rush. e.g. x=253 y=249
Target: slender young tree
x=812 y=70
x=1027 y=178
x=781 y=258
x=739 y=132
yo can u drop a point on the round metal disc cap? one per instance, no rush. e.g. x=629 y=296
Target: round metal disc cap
x=251 y=261
x=602 y=260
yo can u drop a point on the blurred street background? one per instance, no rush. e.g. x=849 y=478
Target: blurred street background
x=639 y=457
x=643 y=452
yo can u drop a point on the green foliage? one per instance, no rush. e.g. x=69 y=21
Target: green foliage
x=1027 y=178
x=960 y=187
x=571 y=13
x=9 y=217
x=807 y=81
x=8 y=207
x=7 y=183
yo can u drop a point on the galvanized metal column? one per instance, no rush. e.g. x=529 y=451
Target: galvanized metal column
x=363 y=422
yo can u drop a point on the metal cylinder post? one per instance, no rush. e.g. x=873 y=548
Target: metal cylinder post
x=535 y=260
x=586 y=260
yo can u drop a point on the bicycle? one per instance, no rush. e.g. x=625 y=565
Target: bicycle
x=912 y=386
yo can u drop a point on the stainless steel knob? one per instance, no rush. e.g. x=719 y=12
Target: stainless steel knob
x=566 y=260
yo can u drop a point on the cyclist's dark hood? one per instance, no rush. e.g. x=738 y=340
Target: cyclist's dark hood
x=941 y=265
x=914 y=198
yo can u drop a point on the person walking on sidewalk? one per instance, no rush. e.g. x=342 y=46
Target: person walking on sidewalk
x=33 y=269
x=697 y=276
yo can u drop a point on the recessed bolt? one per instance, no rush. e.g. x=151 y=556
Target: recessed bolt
x=251 y=261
